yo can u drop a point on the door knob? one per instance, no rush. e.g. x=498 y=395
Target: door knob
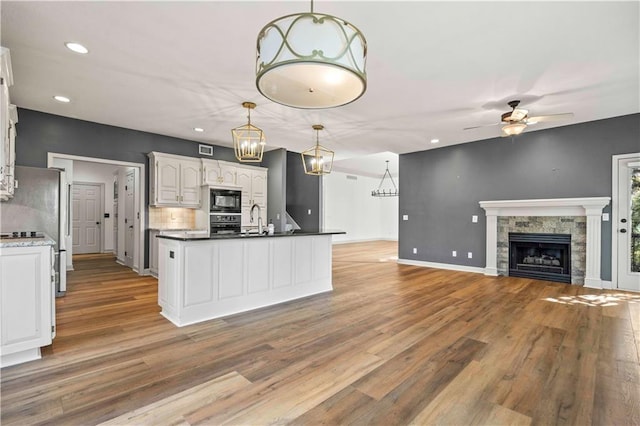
x=623 y=230
x=97 y=223
x=623 y=220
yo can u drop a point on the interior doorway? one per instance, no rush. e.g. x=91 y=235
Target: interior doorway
x=137 y=250
x=86 y=217
x=626 y=222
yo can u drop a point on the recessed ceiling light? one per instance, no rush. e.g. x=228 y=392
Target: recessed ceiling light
x=435 y=140
x=198 y=129
x=76 y=47
x=63 y=99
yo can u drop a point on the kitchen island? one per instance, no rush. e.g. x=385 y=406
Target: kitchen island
x=201 y=278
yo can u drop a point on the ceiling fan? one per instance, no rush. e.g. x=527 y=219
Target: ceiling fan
x=515 y=121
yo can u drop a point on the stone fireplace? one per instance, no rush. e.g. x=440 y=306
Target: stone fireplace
x=579 y=218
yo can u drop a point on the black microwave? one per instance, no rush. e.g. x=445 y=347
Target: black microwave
x=225 y=200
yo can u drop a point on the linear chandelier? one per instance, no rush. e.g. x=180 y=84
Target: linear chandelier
x=248 y=140
x=311 y=60
x=317 y=160
x=384 y=193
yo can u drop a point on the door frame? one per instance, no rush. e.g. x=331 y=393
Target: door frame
x=102 y=206
x=140 y=201
x=615 y=170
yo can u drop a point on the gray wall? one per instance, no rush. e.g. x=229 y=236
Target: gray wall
x=303 y=193
x=440 y=188
x=276 y=161
x=40 y=133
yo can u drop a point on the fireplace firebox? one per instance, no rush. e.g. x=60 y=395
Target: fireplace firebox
x=540 y=256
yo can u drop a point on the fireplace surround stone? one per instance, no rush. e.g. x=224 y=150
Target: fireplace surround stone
x=590 y=209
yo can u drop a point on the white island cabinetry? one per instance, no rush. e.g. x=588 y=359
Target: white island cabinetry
x=202 y=279
x=26 y=301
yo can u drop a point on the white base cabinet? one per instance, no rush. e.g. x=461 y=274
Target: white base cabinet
x=200 y=280
x=26 y=302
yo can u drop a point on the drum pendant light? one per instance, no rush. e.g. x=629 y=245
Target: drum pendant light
x=311 y=60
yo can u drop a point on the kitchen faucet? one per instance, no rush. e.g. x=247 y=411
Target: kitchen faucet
x=259 y=217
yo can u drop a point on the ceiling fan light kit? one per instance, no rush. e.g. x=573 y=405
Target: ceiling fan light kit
x=514 y=122
x=311 y=60
x=514 y=129
x=318 y=160
x=248 y=140
x=383 y=192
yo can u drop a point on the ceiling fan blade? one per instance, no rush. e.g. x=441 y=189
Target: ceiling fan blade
x=484 y=125
x=518 y=114
x=552 y=117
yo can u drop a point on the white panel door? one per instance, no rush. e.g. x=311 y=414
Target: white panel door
x=628 y=224
x=129 y=218
x=87 y=218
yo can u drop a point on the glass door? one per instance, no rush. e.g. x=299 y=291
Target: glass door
x=628 y=224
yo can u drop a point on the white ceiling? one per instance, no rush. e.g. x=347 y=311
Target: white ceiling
x=433 y=68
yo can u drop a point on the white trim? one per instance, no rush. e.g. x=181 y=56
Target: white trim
x=139 y=189
x=607 y=285
x=447 y=266
x=615 y=169
x=590 y=207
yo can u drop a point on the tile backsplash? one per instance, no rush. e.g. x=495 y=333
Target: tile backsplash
x=172 y=218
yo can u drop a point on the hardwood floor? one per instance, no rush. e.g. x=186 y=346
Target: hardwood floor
x=392 y=344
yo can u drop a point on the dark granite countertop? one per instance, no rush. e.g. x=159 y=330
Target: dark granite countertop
x=181 y=237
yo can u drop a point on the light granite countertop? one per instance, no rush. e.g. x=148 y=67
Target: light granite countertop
x=27 y=242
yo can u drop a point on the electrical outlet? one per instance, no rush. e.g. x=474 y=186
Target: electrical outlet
x=277 y=216
x=415 y=250
x=470 y=255
x=405 y=217
x=474 y=218
x=454 y=253
x=309 y=211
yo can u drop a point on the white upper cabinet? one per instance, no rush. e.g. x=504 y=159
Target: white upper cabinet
x=174 y=181
x=218 y=173
x=253 y=181
x=8 y=120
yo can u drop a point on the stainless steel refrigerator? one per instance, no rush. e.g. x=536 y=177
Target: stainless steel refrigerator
x=41 y=203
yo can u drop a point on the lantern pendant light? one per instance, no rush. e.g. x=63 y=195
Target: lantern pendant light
x=318 y=160
x=248 y=140
x=311 y=60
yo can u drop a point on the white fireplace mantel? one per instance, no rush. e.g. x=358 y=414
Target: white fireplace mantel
x=590 y=207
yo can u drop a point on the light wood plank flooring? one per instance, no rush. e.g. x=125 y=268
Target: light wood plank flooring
x=392 y=344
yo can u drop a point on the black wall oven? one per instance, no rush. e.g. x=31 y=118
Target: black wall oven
x=225 y=200
x=225 y=211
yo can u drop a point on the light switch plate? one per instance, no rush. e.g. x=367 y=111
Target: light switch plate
x=470 y=255
x=605 y=217
x=454 y=253
x=405 y=217
x=309 y=211
x=474 y=218
x=415 y=250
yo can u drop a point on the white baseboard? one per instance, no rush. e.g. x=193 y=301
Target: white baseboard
x=607 y=285
x=448 y=266
x=593 y=283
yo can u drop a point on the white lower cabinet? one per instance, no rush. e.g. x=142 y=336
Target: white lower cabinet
x=153 y=252
x=26 y=302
